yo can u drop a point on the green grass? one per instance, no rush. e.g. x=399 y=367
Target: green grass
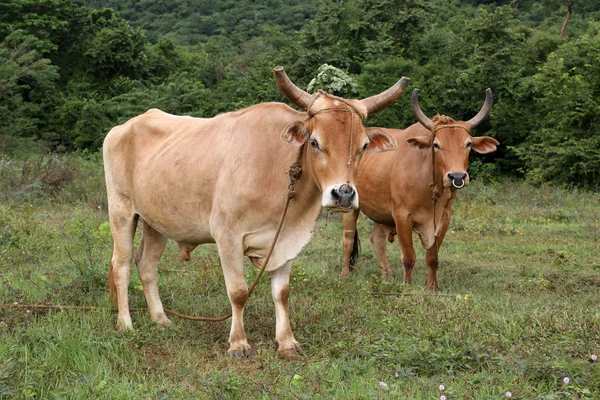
x=519 y=307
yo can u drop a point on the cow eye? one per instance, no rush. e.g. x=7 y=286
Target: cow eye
x=436 y=146
x=468 y=145
x=314 y=144
x=364 y=148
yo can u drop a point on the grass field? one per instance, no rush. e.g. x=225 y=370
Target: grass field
x=518 y=311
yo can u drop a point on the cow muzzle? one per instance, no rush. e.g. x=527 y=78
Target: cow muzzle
x=342 y=198
x=458 y=179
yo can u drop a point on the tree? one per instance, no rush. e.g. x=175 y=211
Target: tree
x=568 y=17
x=334 y=81
x=114 y=48
x=565 y=147
x=26 y=79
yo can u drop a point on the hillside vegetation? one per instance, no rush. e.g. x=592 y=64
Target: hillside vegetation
x=69 y=71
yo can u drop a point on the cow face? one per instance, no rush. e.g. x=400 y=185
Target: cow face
x=451 y=148
x=335 y=142
x=452 y=142
x=335 y=137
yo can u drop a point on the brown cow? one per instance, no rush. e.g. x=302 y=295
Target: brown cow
x=224 y=180
x=396 y=188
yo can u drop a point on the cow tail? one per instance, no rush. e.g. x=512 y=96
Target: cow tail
x=112 y=288
x=355 y=248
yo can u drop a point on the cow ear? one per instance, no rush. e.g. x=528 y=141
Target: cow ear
x=420 y=142
x=484 y=144
x=295 y=133
x=380 y=140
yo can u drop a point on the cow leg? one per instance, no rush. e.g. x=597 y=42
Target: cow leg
x=432 y=266
x=432 y=260
x=348 y=238
x=379 y=236
x=122 y=226
x=232 y=262
x=140 y=250
x=280 y=278
x=408 y=252
x=152 y=246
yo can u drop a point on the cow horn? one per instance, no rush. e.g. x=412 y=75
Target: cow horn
x=485 y=110
x=290 y=91
x=416 y=109
x=387 y=98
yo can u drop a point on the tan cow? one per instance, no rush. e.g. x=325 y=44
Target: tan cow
x=224 y=180
x=396 y=188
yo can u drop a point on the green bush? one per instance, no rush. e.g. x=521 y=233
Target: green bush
x=69 y=72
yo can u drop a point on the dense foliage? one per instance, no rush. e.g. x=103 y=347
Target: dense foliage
x=69 y=71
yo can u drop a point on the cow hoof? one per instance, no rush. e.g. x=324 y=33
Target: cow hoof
x=387 y=276
x=163 y=320
x=289 y=354
x=124 y=327
x=432 y=286
x=237 y=354
x=248 y=353
x=345 y=272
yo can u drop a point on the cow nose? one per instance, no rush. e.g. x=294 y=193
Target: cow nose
x=344 y=195
x=457 y=176
x=457 y=179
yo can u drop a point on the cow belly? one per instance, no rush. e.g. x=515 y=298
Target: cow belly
x=376 y=210
x=383 y=217
x=188 y=231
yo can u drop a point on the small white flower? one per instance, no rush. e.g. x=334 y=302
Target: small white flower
x=566 y=379
x=594 y=357
x=508 y=394
x=442 y=387
x=442 y=397
x=383 y=384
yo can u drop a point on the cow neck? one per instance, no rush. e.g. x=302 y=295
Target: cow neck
x=444 y=199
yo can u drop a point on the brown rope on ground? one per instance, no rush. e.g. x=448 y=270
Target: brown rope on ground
x=295 y=171
x=414 y=294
